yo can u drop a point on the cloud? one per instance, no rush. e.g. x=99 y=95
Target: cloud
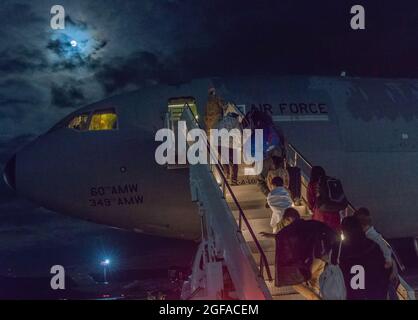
x=137 y=69
x=22 y=59
x=17 y=15
x=43 y=77
x=23 y=106
x=67 y=95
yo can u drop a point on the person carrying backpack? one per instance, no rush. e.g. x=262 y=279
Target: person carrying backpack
x=326 y=198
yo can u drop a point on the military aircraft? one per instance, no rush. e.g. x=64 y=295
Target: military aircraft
x=98 y=163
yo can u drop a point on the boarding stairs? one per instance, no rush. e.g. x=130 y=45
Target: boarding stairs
x=246 y=204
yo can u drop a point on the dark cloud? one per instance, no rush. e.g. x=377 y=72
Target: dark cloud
x=82 y=25
x=17 y=15
x=136 y=69
x=67 y=95
x=16 y=95
x=20 y=59
x=18 y=89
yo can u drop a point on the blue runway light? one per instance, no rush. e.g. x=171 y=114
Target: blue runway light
x=105 y=262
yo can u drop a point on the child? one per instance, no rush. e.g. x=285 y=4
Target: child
x=279 y=200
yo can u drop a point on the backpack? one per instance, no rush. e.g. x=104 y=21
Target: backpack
x=331 y=195
x=271 y=139
x=331 y=281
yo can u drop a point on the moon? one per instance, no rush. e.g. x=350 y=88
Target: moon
x=73 y=43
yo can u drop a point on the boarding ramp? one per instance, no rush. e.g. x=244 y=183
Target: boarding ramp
x=233 y=218
x=236 y=224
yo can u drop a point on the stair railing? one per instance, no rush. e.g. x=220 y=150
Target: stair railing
x=263 y=263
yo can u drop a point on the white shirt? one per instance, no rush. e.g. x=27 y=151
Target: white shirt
x=376 y=237
x=279 y=200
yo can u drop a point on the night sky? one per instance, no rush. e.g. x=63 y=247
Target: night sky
x=124 y=45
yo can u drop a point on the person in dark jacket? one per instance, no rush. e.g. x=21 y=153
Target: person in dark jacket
x=358 y=250
x=332 y=219
x=301 y=251
x=365 y=219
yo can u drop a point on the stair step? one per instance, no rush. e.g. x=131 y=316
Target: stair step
x=254 y=213
x=271 y=256
x=294 y=296
x=246 y=196
x=251 y=189
x=245 y=188
x=280 y=291
x=242 y=179
x=246 y=203
x=247 y=236
x=266 y=245
x=258 y=225
x=252 y=201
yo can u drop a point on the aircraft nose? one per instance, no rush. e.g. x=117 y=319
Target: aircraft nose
x=9 y=173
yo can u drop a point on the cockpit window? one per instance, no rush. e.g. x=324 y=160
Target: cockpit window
x=104 y=120
x=79 y=122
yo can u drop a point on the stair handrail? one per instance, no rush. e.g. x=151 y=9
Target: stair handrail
x=298 y=155
x=350 y=207
x=263 y=263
